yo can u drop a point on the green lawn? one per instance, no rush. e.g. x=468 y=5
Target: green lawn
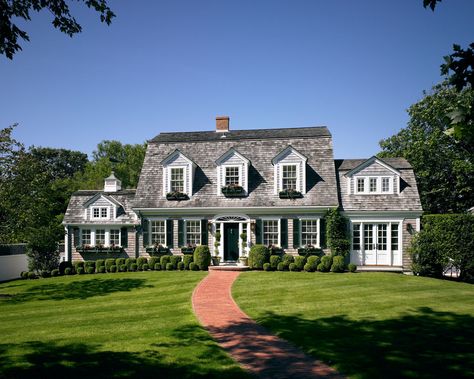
x=107 y=326
x=368 y=325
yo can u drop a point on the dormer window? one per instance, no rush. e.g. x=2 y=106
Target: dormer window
x=360 y=185
x=100 y=212
x=371 y=185
x=232 y=174
x=178 y=175
x=290 y=173
x=385 y=184
x=177 y=180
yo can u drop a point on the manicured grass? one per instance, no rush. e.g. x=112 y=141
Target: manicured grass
x=107 y=326
x=368 y=325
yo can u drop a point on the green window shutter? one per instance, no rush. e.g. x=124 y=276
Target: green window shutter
x=259 y=232
x=284 y=233
x=124 y=236
x=145 y=232
x=169 y=233
x=323 y=237
x=181 y=241
x=76 y=237
x=204 y=232
x=296 y=233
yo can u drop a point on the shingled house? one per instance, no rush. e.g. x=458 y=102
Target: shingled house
x=270 y=186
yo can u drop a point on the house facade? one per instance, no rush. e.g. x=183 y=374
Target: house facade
x=245 y=187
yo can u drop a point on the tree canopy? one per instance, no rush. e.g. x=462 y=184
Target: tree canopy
x=444 y=167
x=62 y=19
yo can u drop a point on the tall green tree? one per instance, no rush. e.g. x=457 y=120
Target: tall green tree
x=444 y=167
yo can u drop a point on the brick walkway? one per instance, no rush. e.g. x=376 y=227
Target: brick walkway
x=257 y=350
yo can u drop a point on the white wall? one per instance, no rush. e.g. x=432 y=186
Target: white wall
x=12 y=265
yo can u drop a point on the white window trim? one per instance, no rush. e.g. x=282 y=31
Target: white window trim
x=379 y=185
x=279 y=228
x=185 y=178
x=298 y=179
x=150 y=220
x=107 y=234
x=186 y=230
x=100 y=213
x=318 y=230
x=224 y=170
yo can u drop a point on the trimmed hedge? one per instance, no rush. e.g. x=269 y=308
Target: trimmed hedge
x=88 y=264
x=267 y=267
x=152 y=262
x=258 y=255
x=288 y=258
x=119 y=262
x=338 y=264
x=202 y=257
x=293 y=267
x=145 y=267
x=100 y=269
x=169 y=266
x=32 y=275
x=312 y=263
x=55 y=272
x=113 y=268
x=80 y=270
x=45 y=274
x=141 y=261
x=68 y=271
x=123 y=268
x=193 y=266
x=300 y=262
x=133 y=267
x=187 y=260
x=99 y=263
x=129 y=262
x=90 y=270
x=157 y=267
x=274 y=260
x=63 y=265
x=174 y=259
x=109 y=263
x=77 y=264
x=283 y=266
x=181 y=266
x=164 y=260
x=326 y=263
x=352 y=267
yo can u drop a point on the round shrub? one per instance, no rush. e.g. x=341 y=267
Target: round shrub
x=100 y=269
x=119 y=262
x=68 y=271
x=45 y=274
x=31 y=275
x=141 y=261
x=326 y=263
x=288 y=258
x=80 y=271
x=55 y=272
x=169 y=266
x=352 y=267
x=282 y=266
x=267 y=267
x=113 y=268
x=157 y=266
x=293 y=267
x=88 y=264
x=133 y=267
x=258 y=255
x=24 y=274
x=193 y=266
x=152 y=262
x=312 y=263
x=78 y=264
x=164 y=260
x=123 y=268
x=174 y=259
x=63 y=265
x=129 y=262
x=99 y=263
x=187 y=259
x=300 y=262
x=90 y=270
x=202 y=257
x=338 y=264
x=181 y=266
x=274 y=260
x=145 y=267
x=308 y=268
x=109 y=263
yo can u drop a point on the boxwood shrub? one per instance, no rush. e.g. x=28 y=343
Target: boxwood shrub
x=68 y=271
x=164 y=260
x=300 y=262
x=274 y=260
x=267 y=267
x=174 y=259
x=88 y=264
x=129 y=262
x=32 y=275
x=258 y=255
x=119 y=262
x=352 y=267
x=288 y=258
x=338 y=264
x=100 y=269
x=99 y=263
x=193 y=266
x=202 y=257
x=133 y=267
x=152 y=262
x=123 y=268
x=80 y=270
x=293 y=267
x=109 y=263
x=45 y=274
x=55 y=272
x=326 y=263
x=312 y=263
x=187 y=259
x=157 y=266
x=169 y=266
x=63 y=265
x=181 y=266
x=113 y=268
x=141 y=261
x=77 y=264
x=90 y=270
x=282 y=266
x=145 y=267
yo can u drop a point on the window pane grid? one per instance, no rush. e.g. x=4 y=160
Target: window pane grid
x=231 y=176
x=193 y=232
x=100 y=237
x=360 y=185
x=385 y=184
x=114 y=237
x=309 y=232
x=394 y=244
x=289 y=177
x=270 y=232
x=86 y=236
x=356 y=237
x=177 y=180
x=368 y=237
x=373 y=184
x=158 y=232
x=382 y=236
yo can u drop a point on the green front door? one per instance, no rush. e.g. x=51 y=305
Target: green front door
x=231 y=242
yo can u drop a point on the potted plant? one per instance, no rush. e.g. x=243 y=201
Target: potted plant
x=243 y=259
x=233 y=190
x=216 y=259
x=290 y=194
x=176 y=195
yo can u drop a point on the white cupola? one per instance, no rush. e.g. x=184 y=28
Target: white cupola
x=112 y=184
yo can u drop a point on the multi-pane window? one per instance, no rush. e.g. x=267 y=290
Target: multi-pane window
x=114 y=237
x=193 y=232
x=96 y=212
x=368 y=237
x=289 y=177
x=356 y=237
x=373 y=184
x=394 y=243
x=231 y=176
x=385 y=184
x=86 y=237
x=360 y=184
x=100 y=212
x=158 y=232
x=309 y=232
x=100 y=237
x=270 y=232
x=382 y=236
x=177 y=179
x=103 y=212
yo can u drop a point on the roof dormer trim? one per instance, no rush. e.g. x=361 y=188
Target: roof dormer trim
x=368 y=163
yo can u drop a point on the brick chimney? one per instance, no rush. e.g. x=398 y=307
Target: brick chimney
x=222 y=124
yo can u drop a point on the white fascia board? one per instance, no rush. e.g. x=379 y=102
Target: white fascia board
x=277 y=158
x=367 y=163
x=219 y=161
x=381 y=214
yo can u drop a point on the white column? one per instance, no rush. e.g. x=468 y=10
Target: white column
x=66 y=244
x=221 y=247
x=241 y=229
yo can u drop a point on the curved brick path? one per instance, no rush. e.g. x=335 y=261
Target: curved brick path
x=257 y=350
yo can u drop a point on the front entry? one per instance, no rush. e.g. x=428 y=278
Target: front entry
x=231 y=241
x=375 y=244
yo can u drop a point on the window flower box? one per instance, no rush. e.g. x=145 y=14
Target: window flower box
x=290 y=194
x=188 y=249
x=176 y=196
x=157 y=250
x=309 y=250
x=275 y=250
x=233 y=190
x=99 y=249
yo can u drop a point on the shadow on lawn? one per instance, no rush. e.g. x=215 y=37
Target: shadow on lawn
x=427 y=344
x=83 y=289
x=50 y=360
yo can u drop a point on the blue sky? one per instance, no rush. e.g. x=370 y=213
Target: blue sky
x=354 y=66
